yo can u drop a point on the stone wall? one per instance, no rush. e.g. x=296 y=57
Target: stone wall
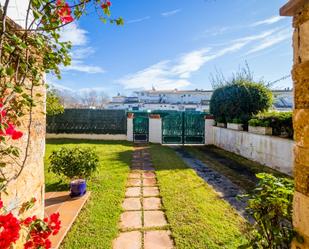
x=299 y=9
x=30 y=182
x=274 y=152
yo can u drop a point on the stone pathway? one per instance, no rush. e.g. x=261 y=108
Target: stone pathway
x=143 y=224
x=223 y=186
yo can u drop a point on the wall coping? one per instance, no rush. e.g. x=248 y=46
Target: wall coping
x=292 y=7
x=258 y=135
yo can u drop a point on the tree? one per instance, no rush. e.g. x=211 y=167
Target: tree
x=93 y=98
x=240 y=98
x=53 y=103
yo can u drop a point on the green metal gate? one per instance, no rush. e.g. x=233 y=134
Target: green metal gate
x=172 y=128
x=140 y=127
x=194 y=128
x=183 y=128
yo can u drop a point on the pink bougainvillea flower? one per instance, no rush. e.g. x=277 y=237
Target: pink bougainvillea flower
x=11 y=131
x=9 y=230
x=64 y=12
x=106 y=4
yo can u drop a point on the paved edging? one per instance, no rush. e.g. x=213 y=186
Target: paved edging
x=143 y=224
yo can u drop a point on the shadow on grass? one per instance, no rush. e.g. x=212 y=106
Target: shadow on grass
x=57 y=186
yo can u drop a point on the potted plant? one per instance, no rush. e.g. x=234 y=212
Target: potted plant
x=235 y=124
x=259 y=126
x=77 y=164
x=220 y=122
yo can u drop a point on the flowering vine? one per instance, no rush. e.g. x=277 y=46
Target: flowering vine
x=26 y=53
x=38 y=231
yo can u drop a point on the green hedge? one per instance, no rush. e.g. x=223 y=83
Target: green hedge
x=86 y=121
x=240 y=100
x=281 y=122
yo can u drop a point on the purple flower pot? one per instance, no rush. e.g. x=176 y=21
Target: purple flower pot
x=78 y=188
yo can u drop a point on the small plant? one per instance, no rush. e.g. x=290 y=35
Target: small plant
x=220 y=120
x=74 y=163
x=236 y=121
x=270 y=204
x=258 y=122
x=281 y=122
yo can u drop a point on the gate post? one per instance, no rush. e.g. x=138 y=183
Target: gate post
x=155 y=128
x=130 y=127
x=209 y=130
x=299 y=9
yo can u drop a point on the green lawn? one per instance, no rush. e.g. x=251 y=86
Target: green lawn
x=96 y=226
x=198 y=218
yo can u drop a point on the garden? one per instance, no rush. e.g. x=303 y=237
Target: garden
x=197 y=217
x=182 y=208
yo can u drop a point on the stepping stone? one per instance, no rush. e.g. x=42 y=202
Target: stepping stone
x=158 y=240
x=148 y=168
x=152 y=203
x=134 y=182
x=131 y=220
x=149 y=175
x=129 y=240
x=151 y=191
x=154 y=219
x=133 y=192
x=135 y=175
x=130 y=204
x=149 y=182
x=140 y=167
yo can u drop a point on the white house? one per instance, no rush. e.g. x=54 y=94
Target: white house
x=182 y=100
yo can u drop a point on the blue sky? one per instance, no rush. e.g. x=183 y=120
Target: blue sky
x=172 y=44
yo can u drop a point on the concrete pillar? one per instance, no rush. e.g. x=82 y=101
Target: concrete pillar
x=209 y=130
x=155 y=129
x=130 y=127
x=299 y=9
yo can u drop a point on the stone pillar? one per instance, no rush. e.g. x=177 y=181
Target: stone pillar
x=209 y=129
x=299 y=9
x=130 y=127
x=155 y=129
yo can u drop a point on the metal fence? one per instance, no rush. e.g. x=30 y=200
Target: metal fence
x=86 y=121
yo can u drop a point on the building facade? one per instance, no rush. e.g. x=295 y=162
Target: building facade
x=182 y=100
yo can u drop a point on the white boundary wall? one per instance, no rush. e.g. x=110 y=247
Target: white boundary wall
x=130 y=129
x=155 y=130
x=88 y=136
x=274 y=152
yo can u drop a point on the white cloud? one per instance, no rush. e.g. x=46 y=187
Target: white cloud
x=171 y=74
x=252 y=38
x=74 y=34
x=170 y=13
x=271 y=20
x=80 y=66
x=138 y=20
x=271 y=40
x=82 y=52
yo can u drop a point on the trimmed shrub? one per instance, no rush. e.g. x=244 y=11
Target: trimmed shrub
x=240 y=99
x=281 y=122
